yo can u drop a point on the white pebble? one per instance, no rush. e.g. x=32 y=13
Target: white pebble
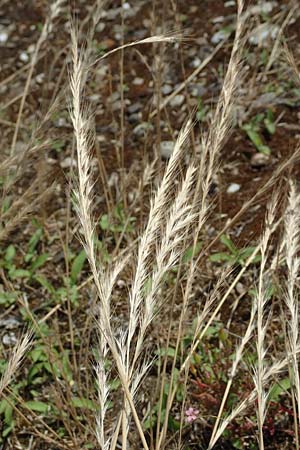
x=177 y=100
x=233 y=188
x=3 y=37
x=24 y=57
x=166 y=149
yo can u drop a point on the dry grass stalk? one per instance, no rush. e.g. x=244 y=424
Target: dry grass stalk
x=260 y=300
x=55 y=10
x=238 y=357
x=211 y=146
x=80 y=118
x=271 y=372
x=292 y=245
x=21 y=215
x=81 y=124
x=15 y=360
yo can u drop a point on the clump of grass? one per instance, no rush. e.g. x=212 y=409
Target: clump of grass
x=15 y=360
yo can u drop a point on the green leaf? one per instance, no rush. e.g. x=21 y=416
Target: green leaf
x=228 y=243
x=5 y=204
x=35 y=370
x=166 y=352
x=8 y=429
x=269 y=122
x=39 y=262
x=104 y=222
x=10 y=254
x=19 y=273
x=7 y=298
x=191 y=252
x=173 y=425
x=7 y=409
x=278 y=389
x=77 y=266
x=38 y=354
x=220 y=257
x=38 y=406
x=34 y=240
x=256 y=139
x=84 y=403
x=246 y=252
x=45 y=283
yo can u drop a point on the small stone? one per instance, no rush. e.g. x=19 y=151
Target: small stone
x=142 y=128
x=24 y=57
x=233 y=188
x=100 y=27
x=116 y=106
x=9 y=339
x=166 y=149
x=135 y=117
x=198 y=90
x=31 y=49
x=240 y=288
x=177 y=100
x=121 y=284
x=263 y=8
x=229 y=3
x=260 y=160
x=134 y=108
x=113 y=97
x=113 y=180
x=138 y=81
x=196 y=63
x=40 y=78
x=68 y=162
x=220 y=35
x=3 y=37
x=218 y=19
x=10 y=323
x=262 y=33
x=166 y=89
x=94 y=98
x=61 y=122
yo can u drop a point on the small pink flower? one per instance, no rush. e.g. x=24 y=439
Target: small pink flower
x=191 y=414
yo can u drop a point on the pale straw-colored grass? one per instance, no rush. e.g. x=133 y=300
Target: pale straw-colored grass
x=15 y=360
x=174 y=214
x=119 y=343
x=291 y=295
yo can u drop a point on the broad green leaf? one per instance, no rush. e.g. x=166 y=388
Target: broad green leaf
x=35 y=370
x=38 y=406
x=85 y=403
x=278 y=389
x=190 y=252
x=269 y=122
x=246 y=252
x=19 y=273
x=77 y=266
x=7 y=298
x=104 y=222
x=45 y=283
x=5 y=204
x=10 y=253
x=8 y=430
x=220 y=257
x=38 y=354
x=256 y=139
x=228 y=243
x=39 y=262
x=166 y=352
